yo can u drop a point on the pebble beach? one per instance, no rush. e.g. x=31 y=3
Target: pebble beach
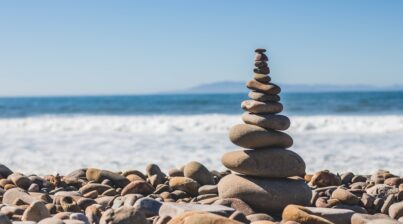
x=263 y=181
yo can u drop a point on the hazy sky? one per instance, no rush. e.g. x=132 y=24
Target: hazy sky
x=117 y=47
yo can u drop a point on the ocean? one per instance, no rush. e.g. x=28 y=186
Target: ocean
x=339 y=131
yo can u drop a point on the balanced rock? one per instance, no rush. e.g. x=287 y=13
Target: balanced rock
x=263 y=97
x=271 y=162
x=258 y=107
x=257 y=192
x=262 y=78
x=254 y=137
x=271 y=88
x=267 y=121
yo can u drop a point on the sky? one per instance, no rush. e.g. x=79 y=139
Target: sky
x=136 y=47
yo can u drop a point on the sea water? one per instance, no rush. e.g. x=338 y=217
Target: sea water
x=339 y=131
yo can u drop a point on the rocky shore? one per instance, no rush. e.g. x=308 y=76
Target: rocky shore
x=190 y=195
x=265 y=183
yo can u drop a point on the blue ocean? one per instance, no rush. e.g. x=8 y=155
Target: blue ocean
x=340 y=131
x=340 y=103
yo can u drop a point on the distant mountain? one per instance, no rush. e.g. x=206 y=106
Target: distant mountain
x=239 y=87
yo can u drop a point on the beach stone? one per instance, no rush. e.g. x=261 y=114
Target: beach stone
x=36 y=212
x=394 y=181
x=272 y=162
x=199 y=173
x=100 y=188
x=208 y=189
x=4 y=219
x=174 y=172
x=271 y=89
x=267 y=121
x=358 y=218
x=388 y=202
x=184 y=184
x=260 y=50
x=20 y=180
x=201 y=218
x=51 y=220
x=123 y=215
x=148 y=206
x=5 y=171
x=261 y=57
x=258 y=107
x=262 y=78
x=33 y=188
x=259 y=217
x=138 y=187
x=80 y=217
x=263 y=97
x=236 y=204
x=135 y=172
x=359 y=178
x=379 y=190
x=154 y=171
x=238 y=216
x=256 y=192
x=396 y=210
x=346 y=178
x=345 y=197
x=324 y=179
x=98 y=176
x=260 y=64
x=317 y=215
x=174 y=209
x=254 y=137
x=262 y=70
x=16 y=194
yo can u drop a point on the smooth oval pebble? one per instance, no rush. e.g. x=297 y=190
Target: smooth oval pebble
x=267 y=121
x=254 y=137
x=265 y=195
x=263 y=88
x=198 y=172
x=273 y=162
x=263 y=97
x=262 y=78
x=258 y=107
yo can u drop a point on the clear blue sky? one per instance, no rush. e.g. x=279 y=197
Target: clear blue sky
x=118 y=47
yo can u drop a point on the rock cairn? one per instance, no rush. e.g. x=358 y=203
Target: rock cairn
x=269 y=174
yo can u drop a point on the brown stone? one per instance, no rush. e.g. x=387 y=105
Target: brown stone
x=270 y=89
x=262 y=78
x=345 y=197
x=236 y=204
x=314 y=215
x=262 y=70
x=36 y=212
x=201 y=218
x=263 y=97
x=254 y=137
x=261 y=57
x=199 y=173
x=272 y=162
x=138 y=187
x=267 y=121
x=185 y=184
x=325 y=178
x=259 y=107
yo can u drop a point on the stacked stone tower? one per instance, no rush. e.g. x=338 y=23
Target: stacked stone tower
x=268 y=173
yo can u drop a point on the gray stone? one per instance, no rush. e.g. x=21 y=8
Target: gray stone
x=256 y=192
x=254 y=137
x=5 y=171
x=4 y=219
x=148 y=206
x=272 y=162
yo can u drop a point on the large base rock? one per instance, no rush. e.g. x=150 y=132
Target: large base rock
x=265 y=195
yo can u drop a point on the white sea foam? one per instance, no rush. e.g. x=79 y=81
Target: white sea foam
x=59 y=144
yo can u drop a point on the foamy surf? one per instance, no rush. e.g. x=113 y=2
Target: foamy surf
x=339 y=143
